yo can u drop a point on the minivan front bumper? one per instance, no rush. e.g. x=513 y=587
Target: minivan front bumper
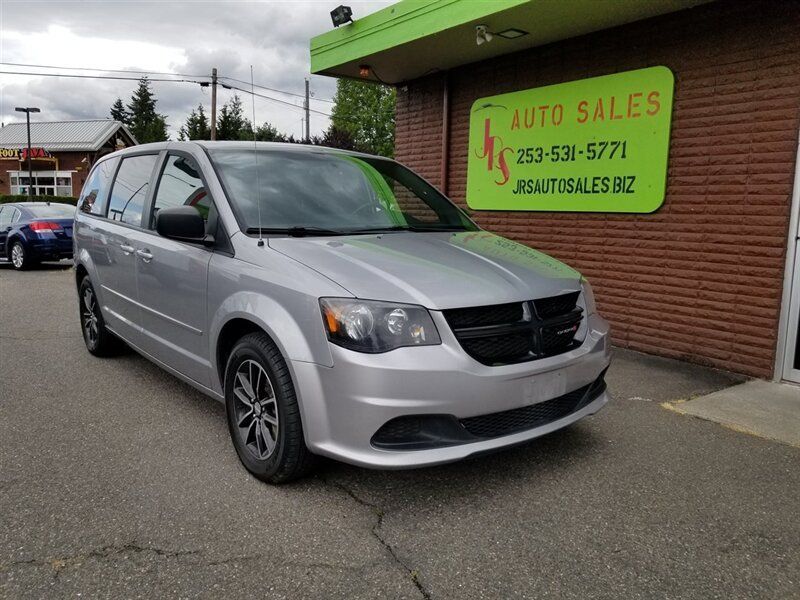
x=345 y=405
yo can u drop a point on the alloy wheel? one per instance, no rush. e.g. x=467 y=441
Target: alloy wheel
x=17 y=256
x=256 y=409
x=91 y=325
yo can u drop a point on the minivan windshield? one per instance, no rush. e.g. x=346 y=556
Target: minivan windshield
x=327 y=193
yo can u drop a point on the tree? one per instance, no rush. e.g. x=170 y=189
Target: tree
x=336 y=138
x=366 y=112
x=145 y=123
x=197 y=126
x=119 y=112
x=267 y=132
x=232 y=124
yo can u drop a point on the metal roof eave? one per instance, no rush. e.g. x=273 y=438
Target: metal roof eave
x=412 y=38
x=55 y=133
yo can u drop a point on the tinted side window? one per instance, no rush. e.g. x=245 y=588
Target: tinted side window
x=95 y=191
x=130 y=189
x=181 y=185
x=6 y=212
x=15 y=215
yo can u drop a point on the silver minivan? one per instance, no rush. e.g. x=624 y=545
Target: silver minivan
x=336 y=302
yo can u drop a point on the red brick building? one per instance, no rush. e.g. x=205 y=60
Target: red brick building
x=709 y=276
x=62 y=154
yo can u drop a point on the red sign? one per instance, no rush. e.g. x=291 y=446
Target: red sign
x=35 y=153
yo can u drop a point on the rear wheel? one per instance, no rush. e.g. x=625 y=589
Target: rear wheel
x=99 y=341
x=263 y=414
x=20 y=259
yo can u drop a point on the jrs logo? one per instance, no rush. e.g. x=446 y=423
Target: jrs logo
x=495 y=153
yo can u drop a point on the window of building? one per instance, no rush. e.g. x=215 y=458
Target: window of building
x=130 y=189
x=45 y=183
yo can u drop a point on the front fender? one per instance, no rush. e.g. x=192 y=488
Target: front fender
x=298 y=339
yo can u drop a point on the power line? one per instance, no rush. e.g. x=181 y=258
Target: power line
x=249 y=93
x=101 y=70
x=155 y=79
x=263 y=87
x=115 y=77
x=32 y=66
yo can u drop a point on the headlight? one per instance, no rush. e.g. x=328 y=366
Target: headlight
x=588 y=297
x=370 y=326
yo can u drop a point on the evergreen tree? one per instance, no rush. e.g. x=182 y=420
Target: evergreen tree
x=197 y=126
x=366 y=112
x=119 y=112
x=267 y=132
x=336 y=138
x=145 y=123
x=232 y=124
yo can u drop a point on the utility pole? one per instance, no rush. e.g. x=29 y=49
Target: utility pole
x=214 y=103
x=308 y=114
x=28 y=110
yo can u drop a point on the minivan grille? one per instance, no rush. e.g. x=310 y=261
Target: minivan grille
x=535 y=415
x=517 y=332
x=426 y=431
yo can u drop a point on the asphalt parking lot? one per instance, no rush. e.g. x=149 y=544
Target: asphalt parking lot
x=117 y=480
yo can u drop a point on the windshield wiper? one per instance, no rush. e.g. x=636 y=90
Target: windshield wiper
x=379 y=229
x=437 y=228
x=296 y=231
x=415 y=228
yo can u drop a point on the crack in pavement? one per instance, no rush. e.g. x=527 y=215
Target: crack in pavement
x=376 y=532
x=305 y=565
x=60 y=563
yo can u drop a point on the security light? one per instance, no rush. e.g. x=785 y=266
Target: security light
x=512 y=33
x=341 y=15
x=482 y=34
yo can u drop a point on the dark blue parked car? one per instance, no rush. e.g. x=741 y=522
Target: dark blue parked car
x=34 y=231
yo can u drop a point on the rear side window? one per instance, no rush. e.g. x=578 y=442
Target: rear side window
x=6 y=212
x=130 y=189
x=95 y=191
x=181 y=185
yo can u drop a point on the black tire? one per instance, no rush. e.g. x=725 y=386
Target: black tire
x=103 y=343
x=25 y=262
x=288 y=458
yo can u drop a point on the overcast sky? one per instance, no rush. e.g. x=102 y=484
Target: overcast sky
x=174 y=37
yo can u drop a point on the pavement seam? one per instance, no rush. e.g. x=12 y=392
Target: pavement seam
x=376 y=533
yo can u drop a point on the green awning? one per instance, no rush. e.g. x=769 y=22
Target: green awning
x=416 y=37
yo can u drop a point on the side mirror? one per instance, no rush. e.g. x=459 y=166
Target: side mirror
x=182 y=223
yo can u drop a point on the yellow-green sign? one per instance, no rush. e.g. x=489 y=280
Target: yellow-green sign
x=594 y=145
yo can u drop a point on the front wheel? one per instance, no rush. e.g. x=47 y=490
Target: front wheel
x=99 y=341
x=263 y=414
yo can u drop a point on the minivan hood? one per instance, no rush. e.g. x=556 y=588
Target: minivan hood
x=437 y=270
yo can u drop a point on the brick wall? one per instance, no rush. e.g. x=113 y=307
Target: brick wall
x=701 y=278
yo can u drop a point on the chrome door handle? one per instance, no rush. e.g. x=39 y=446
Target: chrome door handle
x=126 y=249
x=144 y=255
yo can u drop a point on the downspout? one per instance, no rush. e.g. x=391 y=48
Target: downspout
x=445 y=162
